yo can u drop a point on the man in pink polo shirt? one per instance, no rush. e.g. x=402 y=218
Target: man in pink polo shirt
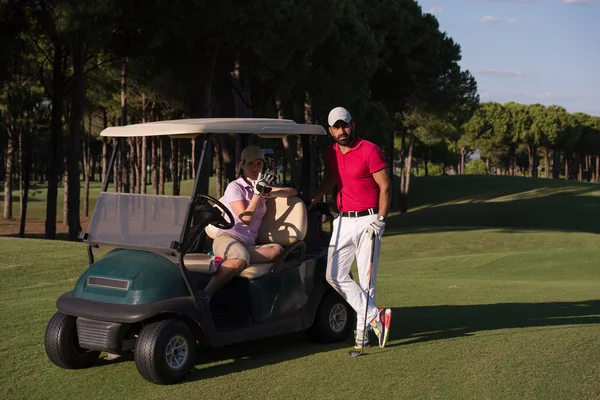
x=357 y=166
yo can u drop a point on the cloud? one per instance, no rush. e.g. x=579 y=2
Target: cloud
x=435 y=10
x=528 y=97
x=503 y=97
x=577 y=2
x=488 y=19
x=498 y=72
x=553 y=96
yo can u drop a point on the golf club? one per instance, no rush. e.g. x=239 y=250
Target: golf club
x=356 y=353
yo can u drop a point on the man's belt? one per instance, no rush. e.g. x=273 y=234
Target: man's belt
x=355 y=214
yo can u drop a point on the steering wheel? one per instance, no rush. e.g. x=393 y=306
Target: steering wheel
x=205 y=206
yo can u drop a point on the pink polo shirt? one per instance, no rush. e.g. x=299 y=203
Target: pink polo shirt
x=353 y=172
x=242 y=190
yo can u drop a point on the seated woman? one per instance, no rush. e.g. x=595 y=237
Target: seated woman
x=245 y=198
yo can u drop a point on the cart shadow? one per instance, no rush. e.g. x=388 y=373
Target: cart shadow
x=244 y=356
x=412 y=325
x=256 y=354
x=104 y=360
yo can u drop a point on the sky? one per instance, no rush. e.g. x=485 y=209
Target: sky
x=528 y=51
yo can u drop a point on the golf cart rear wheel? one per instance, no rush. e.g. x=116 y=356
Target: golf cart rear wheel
x=334 y=320
x=62 y=343
x=165 y=351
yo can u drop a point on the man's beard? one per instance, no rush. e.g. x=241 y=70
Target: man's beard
x=346 y=140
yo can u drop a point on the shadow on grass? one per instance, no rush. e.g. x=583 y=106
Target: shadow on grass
x=410 y=325
x=468 y=203
x=256 y=354
x=244 y=356
x=427 y=323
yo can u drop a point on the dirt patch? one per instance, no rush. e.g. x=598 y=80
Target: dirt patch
x=35 y=228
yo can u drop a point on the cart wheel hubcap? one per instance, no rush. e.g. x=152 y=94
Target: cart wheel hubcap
x=177 y=352
x=338 y=316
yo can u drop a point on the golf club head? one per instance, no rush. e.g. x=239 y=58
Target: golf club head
x=355 y=353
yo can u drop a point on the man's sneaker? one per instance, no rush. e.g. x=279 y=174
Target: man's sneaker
x=381 y=325
x=359 y=344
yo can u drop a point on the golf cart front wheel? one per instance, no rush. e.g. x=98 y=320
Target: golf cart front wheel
x=62 y=343
x=165 y=351
x=334 y=320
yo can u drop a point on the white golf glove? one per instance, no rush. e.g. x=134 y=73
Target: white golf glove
x=261 y=184
x=376 y=227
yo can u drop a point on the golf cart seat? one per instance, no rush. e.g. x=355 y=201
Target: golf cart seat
x=284 y=223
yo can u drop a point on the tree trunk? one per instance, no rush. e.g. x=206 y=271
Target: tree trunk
x=154 y=168
x=117 y=167
x=104 y=158
x=161 y=167
x=389 y=158
x=463 y=156
x=219 y=167
x=124 y=176
x=566 y=167
x=8 y=175
x=65 y=219
x=531 y=151
x=555 y=164
x=588 y=167
x=143 y=167
x=579 y=167
x=132 y=164
x=547 y=162
x=174 y=167
x=55 y=153
x=75 y=133
x=402 y=198
x=409 y=164
x=597 y=169
x=194 y=165
x=25 y=147
x=143 y=149
x=513 y=162
x=86 y=169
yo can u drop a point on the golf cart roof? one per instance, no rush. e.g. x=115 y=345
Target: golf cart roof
x=189 y=128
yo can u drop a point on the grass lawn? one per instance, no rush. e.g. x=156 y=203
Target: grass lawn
x=494 y=282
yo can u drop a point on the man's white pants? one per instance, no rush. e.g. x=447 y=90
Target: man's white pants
x=349 y=240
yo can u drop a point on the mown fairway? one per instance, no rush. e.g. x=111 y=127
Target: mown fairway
x=494 y=281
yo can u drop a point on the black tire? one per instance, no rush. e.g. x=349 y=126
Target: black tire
x=151 y=349
x=62 y=343
x=324 y=331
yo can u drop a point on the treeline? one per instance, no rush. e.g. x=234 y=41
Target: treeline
x=71 y=68
x=511 y=139
x=528 y=139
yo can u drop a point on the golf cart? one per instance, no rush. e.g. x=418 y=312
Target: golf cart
x=153 y=253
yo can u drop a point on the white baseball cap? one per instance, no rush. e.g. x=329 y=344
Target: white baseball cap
x=252 y=153
x=339 y=113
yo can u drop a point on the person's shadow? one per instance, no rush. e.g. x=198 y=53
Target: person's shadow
x=409 y=325
x=426 y=323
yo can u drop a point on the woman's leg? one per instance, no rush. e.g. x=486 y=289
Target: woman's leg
x=265 y=253
x=236 y=258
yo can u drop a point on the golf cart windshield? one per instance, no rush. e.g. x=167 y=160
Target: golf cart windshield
x=154 y=222
x=138 y=221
